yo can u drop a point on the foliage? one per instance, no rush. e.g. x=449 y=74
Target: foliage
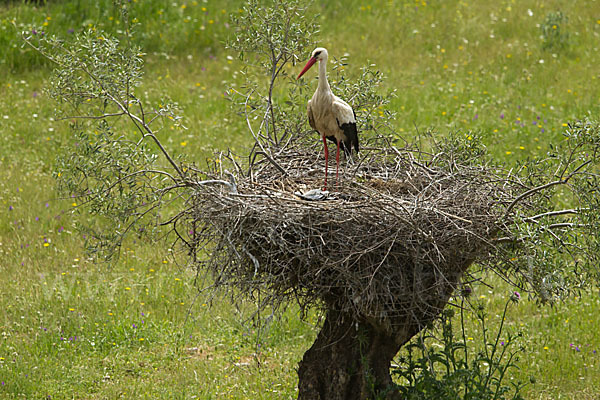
x=555 y=35
x=117 y=176
x=453 y=367
x=268 y=40
x=366 y=93
x=556 y=248
x=270 y=37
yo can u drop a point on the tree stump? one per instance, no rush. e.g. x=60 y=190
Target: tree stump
x=348 y=360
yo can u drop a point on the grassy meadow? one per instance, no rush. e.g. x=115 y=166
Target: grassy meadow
x=72 y=327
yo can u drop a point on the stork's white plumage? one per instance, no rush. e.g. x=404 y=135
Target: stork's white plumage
x=329 y=115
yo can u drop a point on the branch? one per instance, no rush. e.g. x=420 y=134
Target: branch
x=38 y=49
x=232 y=186
x=565 y=225
x=150 y=133
x=542 y=187
x=551 y=214
x=91 y=116
x=139 y=122
x=145 y=171
x=256 y=139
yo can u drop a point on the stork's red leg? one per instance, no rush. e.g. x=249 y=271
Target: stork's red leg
x=337 y=162
x=326 y=161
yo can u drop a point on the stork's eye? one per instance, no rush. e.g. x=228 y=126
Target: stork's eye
x=316 y=54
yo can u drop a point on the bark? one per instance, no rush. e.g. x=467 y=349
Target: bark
x=350 y=360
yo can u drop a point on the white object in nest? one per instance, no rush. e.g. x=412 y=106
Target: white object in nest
x=314 y=195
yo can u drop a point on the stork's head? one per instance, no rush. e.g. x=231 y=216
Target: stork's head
x=318 y=54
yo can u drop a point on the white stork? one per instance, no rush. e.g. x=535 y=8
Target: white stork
x=329 y=115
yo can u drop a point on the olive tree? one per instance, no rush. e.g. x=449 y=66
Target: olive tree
x=380 y=256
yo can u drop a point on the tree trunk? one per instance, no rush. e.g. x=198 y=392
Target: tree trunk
x=350 y=360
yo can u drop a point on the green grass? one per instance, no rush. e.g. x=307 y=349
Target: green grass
x=72 y=328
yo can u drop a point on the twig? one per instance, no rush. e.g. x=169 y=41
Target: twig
x=534 y=190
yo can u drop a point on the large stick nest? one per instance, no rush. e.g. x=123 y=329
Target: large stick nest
x=390 y=241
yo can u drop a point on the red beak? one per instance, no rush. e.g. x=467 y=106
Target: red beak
x=309 y=64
